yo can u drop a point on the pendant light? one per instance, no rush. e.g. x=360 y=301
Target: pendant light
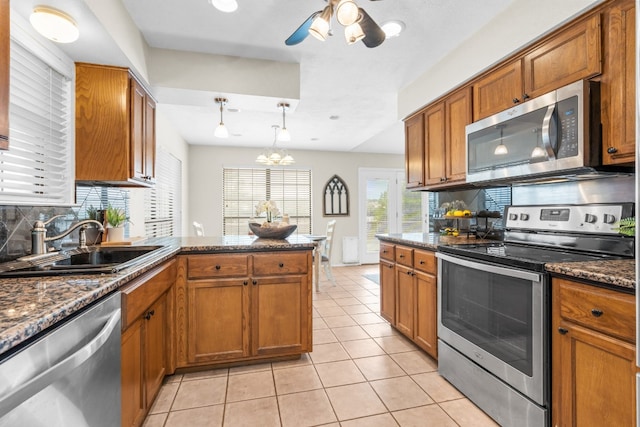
x=284 y=134
x=54 y=24
x=227 y=6
x=221 y=130
x=501 y=149
x=273 y=156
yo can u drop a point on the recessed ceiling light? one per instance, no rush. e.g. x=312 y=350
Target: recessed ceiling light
x=393 y=28
x=315 y=139
x=334 y=117
x=54 y=24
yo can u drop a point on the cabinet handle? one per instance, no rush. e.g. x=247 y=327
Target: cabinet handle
x=255 y=282
x=245 y=283
x=525 y=96
x=149 y=314
x=563 y=331
x=596 y=312
x=409 y=273
x=443 y=179
x=281 y=265
x=401 y=256
x=515 y=100
x=421 y=262
x=390 y=265
x=612 y=150
x=217 y=267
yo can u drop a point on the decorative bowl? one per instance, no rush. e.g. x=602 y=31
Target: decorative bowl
x=281 y=232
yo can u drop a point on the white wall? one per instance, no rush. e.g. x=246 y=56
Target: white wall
x=205 y=190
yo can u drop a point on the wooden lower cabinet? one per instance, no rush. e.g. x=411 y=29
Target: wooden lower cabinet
x=133 y=406
x=388 y=291
x=405 y=300
x=426 y=328
x=593 y=356
x=243 y=307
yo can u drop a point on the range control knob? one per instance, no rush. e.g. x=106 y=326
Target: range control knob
x=513 y=216
x=609 y=219
x=590 y=218
x=524 y=217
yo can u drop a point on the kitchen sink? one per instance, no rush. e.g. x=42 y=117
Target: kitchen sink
x=91 y=260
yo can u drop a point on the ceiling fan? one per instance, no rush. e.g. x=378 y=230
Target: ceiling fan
x=358 y=24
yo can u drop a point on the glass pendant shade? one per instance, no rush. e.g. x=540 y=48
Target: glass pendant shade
x=227 y=6
x=353 y=33
x=320 y=26
x=273 y=156
x=221 y=131
x=284 y=135
x=501 y=149
x=347 y=12
x=54 y=24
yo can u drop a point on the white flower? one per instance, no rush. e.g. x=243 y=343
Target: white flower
x=269 y=207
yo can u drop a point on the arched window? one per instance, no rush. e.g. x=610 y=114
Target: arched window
x=336 y=197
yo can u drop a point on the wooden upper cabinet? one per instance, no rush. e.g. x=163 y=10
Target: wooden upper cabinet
x=457 y=116
x=4 y=74
x=414 y=150
x=434 y=124
x=572 y=54
x=498 y=90
x=618 y=85
x=115 y=127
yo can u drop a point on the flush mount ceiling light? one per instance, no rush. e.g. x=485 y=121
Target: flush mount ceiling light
x=273 y=156
x=501 y=149
x=54 y=24
x=227 y=6
x=284 y=134
x=358 y=24
x=393 y=28
x=221 y=130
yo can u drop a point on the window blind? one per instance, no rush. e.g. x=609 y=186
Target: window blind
x=243 y=188
x=38 y=167
x=162 y=202
x=100 y=198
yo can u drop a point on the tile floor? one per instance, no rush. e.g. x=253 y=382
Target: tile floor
x=361 y=373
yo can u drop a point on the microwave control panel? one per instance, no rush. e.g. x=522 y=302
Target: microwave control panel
x=595 y=218
x=568 y=128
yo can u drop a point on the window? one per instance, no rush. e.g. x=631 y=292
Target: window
x=162 y=202
x=38 y=167
x=100 y=198
x=243 y=188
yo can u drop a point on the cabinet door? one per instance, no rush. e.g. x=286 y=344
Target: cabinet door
x=571 y=55
x=435 y=144
x=138 y=107
x=149 y=138
x=498 y=90
x=388 y=291
x=155 y=348
x=414 y=150
x=4 y=74
x=593 y=379
x=218 y=320
x=619 y=85
x=426 y=335
x=405 y=300
x=133 y=405
x=280 y=319
x=457 y=115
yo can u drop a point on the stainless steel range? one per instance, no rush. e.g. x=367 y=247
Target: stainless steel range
x=494 y=304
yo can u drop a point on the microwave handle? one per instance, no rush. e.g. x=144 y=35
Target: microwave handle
x=546 y=132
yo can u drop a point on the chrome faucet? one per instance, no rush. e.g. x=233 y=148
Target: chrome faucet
x=39 y=234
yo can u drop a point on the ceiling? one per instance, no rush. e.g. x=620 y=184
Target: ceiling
x=347 y=94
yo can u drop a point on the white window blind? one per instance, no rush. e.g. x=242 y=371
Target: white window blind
x=243 y=188
x=162 y=202
x=100 y=198
x=38 y=167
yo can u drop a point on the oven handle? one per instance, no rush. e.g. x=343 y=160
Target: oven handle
x=490 y=268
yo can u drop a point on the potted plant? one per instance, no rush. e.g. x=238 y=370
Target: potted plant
x=116 y=218
x=92 y=232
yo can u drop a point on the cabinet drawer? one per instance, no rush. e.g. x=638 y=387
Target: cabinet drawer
x=280 y=263
x=218 y=265
x=404 y=256
x=387 y=251
x=425 y=261
x=604 y=310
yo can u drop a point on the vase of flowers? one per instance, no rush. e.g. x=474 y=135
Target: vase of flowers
x=270 y=229
x=268 y=208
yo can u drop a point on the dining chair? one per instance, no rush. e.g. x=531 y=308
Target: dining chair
x=198 y=228
x=325 y=258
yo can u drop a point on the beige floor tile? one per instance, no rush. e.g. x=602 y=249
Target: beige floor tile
x=335 y=294
x=315 y=314
x=256 y=412
x=361 y=293
x=323 y=336
x=346 y=302
x=466 y=414
x=379 y=367
x=318 y=323
x=172 y=379
x=362 y=348
x=339 y=373
x=355 y=401
x=339 y=321
x=210 y=373
x=400 y=393
x=383 y=420
x=323 y=353
x=327 y=302
x=250 y=386
x=193 y=394
x=309 y=408
x=395 y=344
x=155 y=420
x=373 y=299
x=165 y=398
x=356 y=309
x=349 y=333
x=437 y=387
x=424 y=416
x=415 y=362
x=317 y=296
x=367 y=318
x=292 y=380
x=208 y=416
x=302 y=361
x=378 y=330
x=260 y=367
x=374 y=308
x=330 y=311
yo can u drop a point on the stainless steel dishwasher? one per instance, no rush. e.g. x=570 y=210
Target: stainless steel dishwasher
x=70 y=376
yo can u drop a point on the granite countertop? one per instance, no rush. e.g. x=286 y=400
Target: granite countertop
x=430 y=241
x=29 y=305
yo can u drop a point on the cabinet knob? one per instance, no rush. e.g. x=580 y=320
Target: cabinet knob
x=281 y=265
x=390 y=265
x=515 y=100
x=245 y=283
x=400 y=256
x=149 y=314
x=596 y=312
x=218 y=267
x=563 y=331
x=612 y=150
x=409 y=273
x=421 y=262
x=255 y=282
x=525 y=96
x=443 y=179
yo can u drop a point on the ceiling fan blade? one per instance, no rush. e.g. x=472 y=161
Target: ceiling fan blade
x=302 y=32
x=373 y=34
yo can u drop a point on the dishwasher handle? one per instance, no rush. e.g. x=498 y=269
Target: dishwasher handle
x=32 y=387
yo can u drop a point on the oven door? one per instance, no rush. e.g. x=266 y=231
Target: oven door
x=498 y=318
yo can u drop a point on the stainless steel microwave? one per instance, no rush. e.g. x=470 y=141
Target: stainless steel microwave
x=556 y=134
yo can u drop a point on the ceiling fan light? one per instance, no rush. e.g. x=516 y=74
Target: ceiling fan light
x=392 y=28
x=353 y=33
x=54 y=24
x=347 y=12
x=320 y=25
x=227 y=6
